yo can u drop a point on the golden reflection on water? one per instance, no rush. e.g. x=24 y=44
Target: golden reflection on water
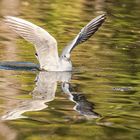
x=106 y=62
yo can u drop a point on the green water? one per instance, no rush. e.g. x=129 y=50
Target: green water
x=104 y=98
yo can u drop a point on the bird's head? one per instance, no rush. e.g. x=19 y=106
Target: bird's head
x=66 y=57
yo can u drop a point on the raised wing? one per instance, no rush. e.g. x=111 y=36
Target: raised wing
x=45 y=44
x=84 y=34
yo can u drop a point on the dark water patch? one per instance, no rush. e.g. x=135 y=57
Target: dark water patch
x=10 y=65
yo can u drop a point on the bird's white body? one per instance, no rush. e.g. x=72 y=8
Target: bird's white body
x=62 y=65
x=46 y=45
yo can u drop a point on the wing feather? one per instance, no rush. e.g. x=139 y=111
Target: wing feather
x=45 y=44
x=84 y=34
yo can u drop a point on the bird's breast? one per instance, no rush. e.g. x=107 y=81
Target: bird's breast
x=63 y=65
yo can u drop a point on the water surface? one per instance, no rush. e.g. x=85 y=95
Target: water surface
x=100 y=100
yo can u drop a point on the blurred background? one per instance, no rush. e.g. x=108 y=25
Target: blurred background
x=105 y=85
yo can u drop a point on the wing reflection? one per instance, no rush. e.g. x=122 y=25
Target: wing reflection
x=82 y=105
x=44 y=92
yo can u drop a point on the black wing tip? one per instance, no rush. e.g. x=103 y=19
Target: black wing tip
x=103 y=16
x=100 y=19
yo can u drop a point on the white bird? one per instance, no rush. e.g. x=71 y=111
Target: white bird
x=46 y=45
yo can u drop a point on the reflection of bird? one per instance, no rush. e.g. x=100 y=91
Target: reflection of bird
x=44 y=91
x=83 y=106
x=46 y=45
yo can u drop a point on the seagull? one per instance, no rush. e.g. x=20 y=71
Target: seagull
x=46 y=45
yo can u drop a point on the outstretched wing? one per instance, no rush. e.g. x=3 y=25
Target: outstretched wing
x=45 y=44
x=84 y=34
